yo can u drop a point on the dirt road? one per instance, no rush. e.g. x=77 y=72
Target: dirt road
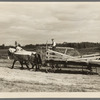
x=16 y=80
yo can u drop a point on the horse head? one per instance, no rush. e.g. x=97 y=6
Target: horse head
x=11 y=52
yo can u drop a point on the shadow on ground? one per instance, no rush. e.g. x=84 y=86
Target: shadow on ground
x=70 y=71
x=63 y=71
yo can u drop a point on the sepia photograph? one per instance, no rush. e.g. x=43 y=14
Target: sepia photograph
x=49 y=47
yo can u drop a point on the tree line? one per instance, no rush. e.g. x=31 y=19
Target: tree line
x=79 y=45
x=64 y=44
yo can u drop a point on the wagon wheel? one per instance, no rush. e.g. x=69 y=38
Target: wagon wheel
x=57 y=67
x=51 y=68
x=89 y=67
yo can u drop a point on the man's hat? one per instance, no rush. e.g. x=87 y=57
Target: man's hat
x=52 y=39
x=19 y=45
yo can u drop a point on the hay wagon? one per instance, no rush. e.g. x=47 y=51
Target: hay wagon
x=57 y=59
x=66 y=57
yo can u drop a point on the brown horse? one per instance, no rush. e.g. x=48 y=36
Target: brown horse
x=33 y=58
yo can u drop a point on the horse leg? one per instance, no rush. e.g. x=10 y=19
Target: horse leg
x=36 y=67
x=13 y=64
x=21 y=62
x=32 y=65
x=27 y=66
x=39 y=66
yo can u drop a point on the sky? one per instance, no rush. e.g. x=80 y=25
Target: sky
x=39 y=22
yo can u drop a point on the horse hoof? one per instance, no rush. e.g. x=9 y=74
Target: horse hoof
x=35 y=70
x=21 y=68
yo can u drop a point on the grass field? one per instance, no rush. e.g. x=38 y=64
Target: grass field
x=67 y=80
x=16 y=80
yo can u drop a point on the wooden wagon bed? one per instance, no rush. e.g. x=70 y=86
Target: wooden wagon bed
x=54 y=58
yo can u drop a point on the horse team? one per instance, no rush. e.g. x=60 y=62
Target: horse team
x=33 y=59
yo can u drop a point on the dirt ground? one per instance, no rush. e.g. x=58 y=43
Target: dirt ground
x=17 y=80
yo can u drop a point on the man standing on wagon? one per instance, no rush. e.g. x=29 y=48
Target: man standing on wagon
x=53 y=44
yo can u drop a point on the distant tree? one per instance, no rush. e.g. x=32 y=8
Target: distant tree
x=3 y=46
